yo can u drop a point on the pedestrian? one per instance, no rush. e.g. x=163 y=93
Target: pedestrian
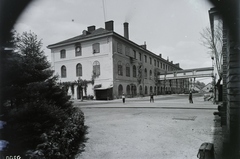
x=190 y=97
x=151 y=98
x=123 y=98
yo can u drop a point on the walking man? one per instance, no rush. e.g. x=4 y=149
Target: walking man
x=151 y=98
x=190 y=97
x=123 y=98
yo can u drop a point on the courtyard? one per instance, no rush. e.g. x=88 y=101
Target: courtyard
x=169 y=128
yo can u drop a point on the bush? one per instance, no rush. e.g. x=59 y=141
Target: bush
x=62 y=141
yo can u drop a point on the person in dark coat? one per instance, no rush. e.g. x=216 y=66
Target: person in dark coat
x=190 y=97
x=151 y=98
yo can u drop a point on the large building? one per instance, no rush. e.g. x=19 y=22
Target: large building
x=109 y=65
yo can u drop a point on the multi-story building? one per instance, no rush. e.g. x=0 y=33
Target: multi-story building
x=109 y=63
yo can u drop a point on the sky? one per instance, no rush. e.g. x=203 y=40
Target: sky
x=169 y=27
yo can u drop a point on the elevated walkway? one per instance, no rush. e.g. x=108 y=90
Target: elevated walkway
x=187 y=73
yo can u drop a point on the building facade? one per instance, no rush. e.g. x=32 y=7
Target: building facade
x=229 y=110
x=109 y=65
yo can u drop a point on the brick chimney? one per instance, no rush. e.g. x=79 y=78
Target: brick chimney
x=91 y=28
x=126 y=34
x=109 y=25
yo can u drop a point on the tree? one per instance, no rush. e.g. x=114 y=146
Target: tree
x=212 y=38
x=40 y=118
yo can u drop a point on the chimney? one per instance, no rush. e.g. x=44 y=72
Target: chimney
x=125 y=25
x=91 y=28
x=160 y=55
x=109 y=25
x=85 y=32
x=177 y=64
x=144 y=46
x=171 y=61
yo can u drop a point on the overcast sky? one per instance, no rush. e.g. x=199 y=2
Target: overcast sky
x=169 y=27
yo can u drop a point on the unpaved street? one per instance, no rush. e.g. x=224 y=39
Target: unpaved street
x=148 y=133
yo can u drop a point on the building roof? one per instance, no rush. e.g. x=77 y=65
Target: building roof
x=84 y=35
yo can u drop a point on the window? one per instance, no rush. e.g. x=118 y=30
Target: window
x=120 y=90
x=140 y=56
x=161 y=65
x=145 y=56
x=120 y=69
x=151 y=89
x=78 y=50
x=96 y=48
x=134 y=54
x=119 y=47
x=158 y=64
x=128 y=90
x=63 y=54
x=134 y=90
x=150 y=60
x=134 y=71
x=150 y=74
x=127 y=51
x=140 y=90
x=96 y=68
x=145 y=73
x=127 y=70
x=63 y=71
x=79 y=70
x=146 y=91
x=155 y=63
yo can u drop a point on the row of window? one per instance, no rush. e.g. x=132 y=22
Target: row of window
x=78 y=50
x=96 y=69
x=151 y=60
x=134 y=70
x=132 y=90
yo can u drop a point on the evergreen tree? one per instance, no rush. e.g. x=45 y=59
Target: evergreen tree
x=40 y=118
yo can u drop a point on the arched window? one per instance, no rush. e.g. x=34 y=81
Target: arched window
x=146 y=91
x=150 y=74
x=140 y=90
x=134 y=90
x=155 y=90
x=96 y=68
x=127 y=70
x=79 y=70
x=78 y=50
x=151 y=89
x=63 y=71
x=120 y=68
x=145 y=73
x=128 y=90
x=120 y=90
x=96 y=48
x=134 y=71
x=63 y=54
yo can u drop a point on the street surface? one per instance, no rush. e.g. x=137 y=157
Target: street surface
x=169 y=128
